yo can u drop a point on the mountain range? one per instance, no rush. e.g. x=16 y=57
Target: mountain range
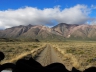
x=59 y=32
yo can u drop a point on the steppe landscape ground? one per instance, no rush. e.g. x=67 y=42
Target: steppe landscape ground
x=78 y=54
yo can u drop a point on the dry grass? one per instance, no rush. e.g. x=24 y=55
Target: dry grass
x=76 y=53
x=16 y=50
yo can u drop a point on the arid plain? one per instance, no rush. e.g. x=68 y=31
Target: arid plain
x=79 y=54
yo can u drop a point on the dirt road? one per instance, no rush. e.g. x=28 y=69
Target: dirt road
x=48 y=56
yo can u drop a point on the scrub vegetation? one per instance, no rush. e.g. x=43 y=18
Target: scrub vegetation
x=16 y=50
x=80 y=54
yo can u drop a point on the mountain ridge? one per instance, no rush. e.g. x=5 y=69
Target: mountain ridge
x=59 y=32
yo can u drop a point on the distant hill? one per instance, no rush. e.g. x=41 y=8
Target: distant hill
x=18 y=40
x=59 y=32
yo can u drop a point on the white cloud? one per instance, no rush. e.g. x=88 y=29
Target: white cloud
x=30 y=15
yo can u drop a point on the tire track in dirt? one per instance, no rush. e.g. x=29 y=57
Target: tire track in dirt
x=48 y=56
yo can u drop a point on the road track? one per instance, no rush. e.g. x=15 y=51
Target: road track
x=48 y=56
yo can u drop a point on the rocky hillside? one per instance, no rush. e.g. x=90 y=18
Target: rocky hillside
x=59 y=32
x=75 y=31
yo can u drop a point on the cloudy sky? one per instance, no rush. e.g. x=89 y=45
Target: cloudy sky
x=46 y=12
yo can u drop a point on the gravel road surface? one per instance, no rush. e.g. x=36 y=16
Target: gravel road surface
x=48 y=56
